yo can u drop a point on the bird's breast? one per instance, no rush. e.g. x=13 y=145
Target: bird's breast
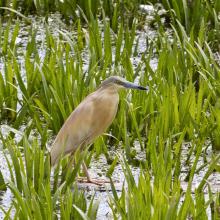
x=105 y=109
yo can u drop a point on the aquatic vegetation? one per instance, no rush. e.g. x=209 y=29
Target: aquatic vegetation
x=44 y=78
x=34 y=195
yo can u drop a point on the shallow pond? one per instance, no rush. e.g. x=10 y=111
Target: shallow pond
x=99 y=166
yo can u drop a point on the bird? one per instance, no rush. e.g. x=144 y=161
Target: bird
x=89 y=120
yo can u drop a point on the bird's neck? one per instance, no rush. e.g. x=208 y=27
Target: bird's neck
x=110 y=89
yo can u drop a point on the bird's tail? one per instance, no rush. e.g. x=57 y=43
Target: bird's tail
x=50 y=160
x=53 y=156
x=57 y=151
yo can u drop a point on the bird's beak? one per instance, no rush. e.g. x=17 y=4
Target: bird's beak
x=130 y=85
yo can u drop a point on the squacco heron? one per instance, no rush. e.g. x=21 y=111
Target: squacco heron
x=89 y=120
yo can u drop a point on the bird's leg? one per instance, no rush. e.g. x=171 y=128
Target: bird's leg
x=89 y=179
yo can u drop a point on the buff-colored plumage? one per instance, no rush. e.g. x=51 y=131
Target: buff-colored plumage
x=90 y=119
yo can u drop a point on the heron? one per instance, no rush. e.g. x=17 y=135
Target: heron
x=89 y=120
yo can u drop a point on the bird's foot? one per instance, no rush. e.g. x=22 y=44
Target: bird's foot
x=99 y=182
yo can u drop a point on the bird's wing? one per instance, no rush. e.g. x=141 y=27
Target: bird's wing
x=73 y=132
x=87 y=121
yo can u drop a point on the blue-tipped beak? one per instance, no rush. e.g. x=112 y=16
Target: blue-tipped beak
x=130 y=85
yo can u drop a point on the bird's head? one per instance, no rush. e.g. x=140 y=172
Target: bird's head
x=120 y=83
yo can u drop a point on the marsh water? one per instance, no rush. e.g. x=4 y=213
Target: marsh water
x=98 y=166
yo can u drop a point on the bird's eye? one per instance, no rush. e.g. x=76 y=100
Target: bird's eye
x=119 y=82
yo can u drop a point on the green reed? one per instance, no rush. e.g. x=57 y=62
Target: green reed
x=181 y=105
x=34 y=195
